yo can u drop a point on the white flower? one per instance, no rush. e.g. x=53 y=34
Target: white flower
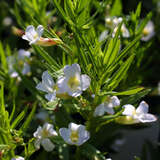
x=140 y=114
x=33 y=35
x=42 y=136
x=74 y=134
x=107 y=106
x=113 y=22
x=18 y=158
x=73 y=82
x=148 y=31
x=21 y=63
x=47 y=85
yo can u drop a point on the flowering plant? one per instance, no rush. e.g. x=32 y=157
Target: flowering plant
x=76 y=82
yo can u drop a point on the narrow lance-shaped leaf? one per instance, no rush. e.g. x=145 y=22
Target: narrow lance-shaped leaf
x=29 y=118
x=119 y=74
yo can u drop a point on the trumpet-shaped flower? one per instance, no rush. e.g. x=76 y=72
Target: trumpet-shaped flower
x=42 y=136
x=34 y=36
x=140 y=114
x=74 y=134
x=22 y=64
x=18 y=158
x=47 y=85
x=107 y=106
x=148 y=31
x=73 y=82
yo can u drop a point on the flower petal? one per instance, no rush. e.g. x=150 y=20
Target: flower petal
x=47 y=79
x=128 y=110
x=72 y=70
x=47 y=144
x=100 y=110
x=38 y=132
x=73 y=126
x=18 y=158
x=115 y=101
x=51 y=96
x=37 y=144
x=142 y=108
x=40 y=30
x=41 y=87
x=85 y=81
x=109 y=110
x=83 y=135
x=23 y=53
x=26 y=69
x=49 y=128
x=144 y=118
x=65 y=134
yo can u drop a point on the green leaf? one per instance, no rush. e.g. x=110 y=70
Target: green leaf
x=19 y=118
x=128 y=92
x=29 y=118
x=47 y=57
x=134 y=98
x=3 y=57
x=116 y=8
x=120 y=73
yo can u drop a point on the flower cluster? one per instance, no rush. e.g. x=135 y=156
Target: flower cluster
x=74 y=135
x=112 y=23
x=133 y=115
x=22 y=65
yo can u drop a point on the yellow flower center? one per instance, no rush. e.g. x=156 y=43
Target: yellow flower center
x=73 y=82
x=109 y=22
x=45 y=133
x=74 y=136
x=134 y=112
x=20 y=62
x=55 y=87
x=145 y=32
x=35 y=36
